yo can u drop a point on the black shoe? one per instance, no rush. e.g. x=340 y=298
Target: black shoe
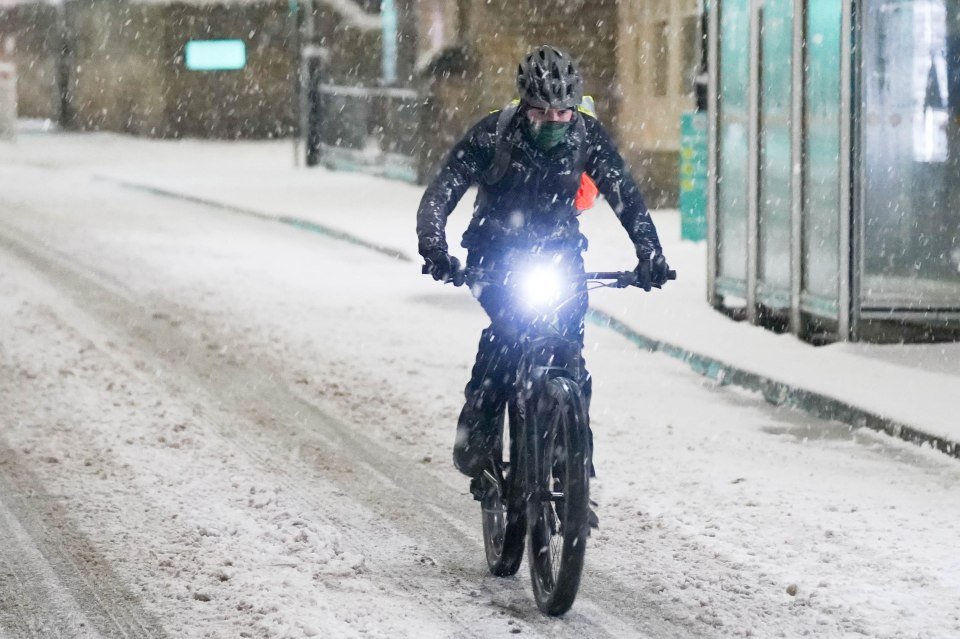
x=476 y=438
x=477 y=489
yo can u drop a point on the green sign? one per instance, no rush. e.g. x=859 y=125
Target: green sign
x=693 y=176
x=216 y=55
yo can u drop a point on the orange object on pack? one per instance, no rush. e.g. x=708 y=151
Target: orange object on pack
x=586 y=194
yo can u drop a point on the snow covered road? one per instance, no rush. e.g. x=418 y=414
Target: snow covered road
x=215 y=426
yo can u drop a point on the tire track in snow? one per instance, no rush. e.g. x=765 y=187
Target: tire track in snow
x=320 y=441
x=225 y=393
x=53 y=582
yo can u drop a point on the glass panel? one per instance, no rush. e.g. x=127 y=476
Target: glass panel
x=912 y=156
x=776 y=42
x=732 y=170
x=821 y=175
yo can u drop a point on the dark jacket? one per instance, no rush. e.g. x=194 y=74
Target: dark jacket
x=533 y=203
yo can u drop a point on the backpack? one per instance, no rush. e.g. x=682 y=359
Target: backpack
x=586 y=194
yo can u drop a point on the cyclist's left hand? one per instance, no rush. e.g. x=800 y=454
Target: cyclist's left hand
x=654 y=272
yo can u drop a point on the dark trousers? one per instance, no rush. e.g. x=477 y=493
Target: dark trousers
x=494 y=373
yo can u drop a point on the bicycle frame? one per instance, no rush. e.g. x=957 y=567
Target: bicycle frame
x=538 y=364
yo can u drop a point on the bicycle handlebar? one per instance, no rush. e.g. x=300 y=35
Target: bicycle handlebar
x=621 y=279
x=616 y=275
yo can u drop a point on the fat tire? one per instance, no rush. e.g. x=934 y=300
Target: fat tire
x=561 y=423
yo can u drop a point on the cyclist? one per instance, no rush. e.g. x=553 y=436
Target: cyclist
x=527 y=161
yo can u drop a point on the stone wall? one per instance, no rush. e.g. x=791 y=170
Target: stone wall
x=353 y=51
x=256 y=101
x=453 y=101
x=33 y=28
x=503 y=31
x=116 y=61
x=657 y=58
x=126 y=70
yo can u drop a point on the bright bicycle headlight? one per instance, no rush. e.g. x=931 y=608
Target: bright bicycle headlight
x=541 y=285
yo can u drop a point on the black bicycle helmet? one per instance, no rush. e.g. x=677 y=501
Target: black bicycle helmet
x=548 y=79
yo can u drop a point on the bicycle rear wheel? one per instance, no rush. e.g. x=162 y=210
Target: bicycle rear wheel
x=557 y=515
x=504 y=525
x=502 y=508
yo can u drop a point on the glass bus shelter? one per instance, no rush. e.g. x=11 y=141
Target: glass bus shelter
x=834 y=193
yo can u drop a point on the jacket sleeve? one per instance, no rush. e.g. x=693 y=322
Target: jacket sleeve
x=606 y=167
x=463 y=167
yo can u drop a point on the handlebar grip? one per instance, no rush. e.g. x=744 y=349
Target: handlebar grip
x=458 y=278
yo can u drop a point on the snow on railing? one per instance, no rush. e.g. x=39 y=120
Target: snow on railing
x=354 y=15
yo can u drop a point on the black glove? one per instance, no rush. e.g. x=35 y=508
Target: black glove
x=441 y=265
x=654 y=272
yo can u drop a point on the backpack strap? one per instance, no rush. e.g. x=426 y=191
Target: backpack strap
x=501 y=156
x=581 y=129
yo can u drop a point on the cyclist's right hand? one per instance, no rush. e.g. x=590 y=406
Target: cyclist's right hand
x=441 y=265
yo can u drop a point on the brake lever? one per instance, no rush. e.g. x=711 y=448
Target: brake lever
x=628 y=278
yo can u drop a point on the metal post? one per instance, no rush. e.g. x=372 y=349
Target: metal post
x=753 y=164
x=713 y=114
x=294 y=34
x=303 y=70
x=859 y=136
x=64 y=65
x=846 y=114
x=388 y=21
x=314 y=146
x=796 y=176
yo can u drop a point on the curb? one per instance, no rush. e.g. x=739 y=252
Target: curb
x=774 y=392
x=295 y=222
x=778 y=393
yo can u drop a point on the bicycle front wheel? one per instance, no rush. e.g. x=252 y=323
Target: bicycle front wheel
x=558 y=510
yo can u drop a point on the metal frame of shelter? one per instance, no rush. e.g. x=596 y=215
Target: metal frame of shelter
x=787 y=188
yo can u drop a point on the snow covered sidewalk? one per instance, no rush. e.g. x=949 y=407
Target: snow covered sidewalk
x=906 y=390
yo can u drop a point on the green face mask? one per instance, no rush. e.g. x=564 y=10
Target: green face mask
x=547 y=135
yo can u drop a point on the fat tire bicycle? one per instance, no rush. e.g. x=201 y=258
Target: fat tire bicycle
x=538 y=497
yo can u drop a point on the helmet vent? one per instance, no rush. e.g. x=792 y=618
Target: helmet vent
x=548 y=79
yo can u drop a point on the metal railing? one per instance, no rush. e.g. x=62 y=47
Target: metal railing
x=370 y=129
